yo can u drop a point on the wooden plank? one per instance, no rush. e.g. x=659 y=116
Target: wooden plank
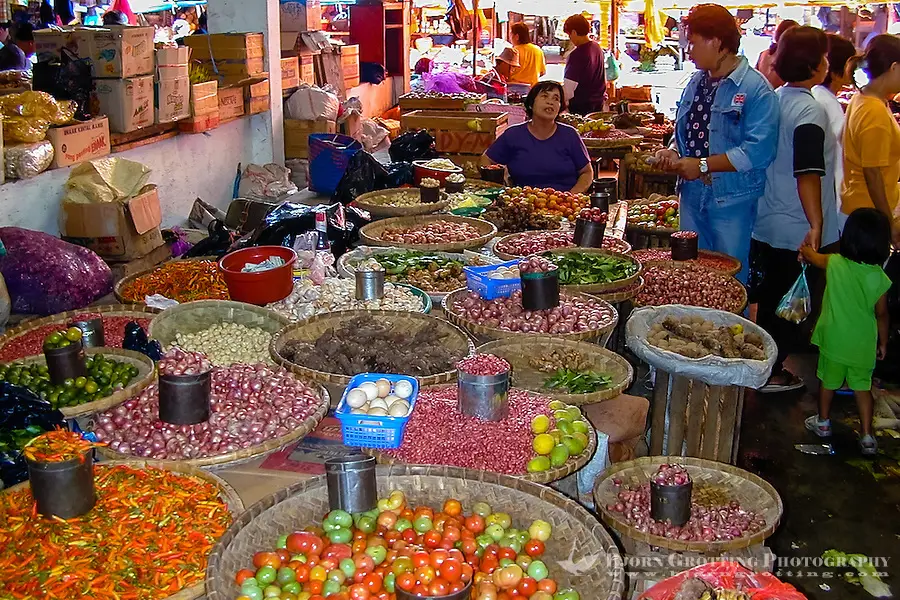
x=711 y=426
x=658 y=412
x=117 y=139
x=462 y=142
x=144 y=142
x=695 y=411
x=735 y=444
x=492 y=123
x=726 y=429
x=677 y=408
x=439 y=103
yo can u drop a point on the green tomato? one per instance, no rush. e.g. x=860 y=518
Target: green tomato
x=348 y=567
x=540 y=530
x=505 y=562
x=330 y=526
x=378 y=553
x=285 y=575
x=502 y=519
x=282 y=542
x=423 y=524
x=330 y=587
x=294 y=587
x=537 y=570
x=402 y=525
x=511 y=542
x=567 y=594
x=482 y=509
x=337 y=575
x=272 y=591
x=254 y=592
x=250 y=582
x=524 y=561
x=390 y=581
x=299 y=558
x=340 y=536
x=484 y=540
x=266 y=575
x=523 y=537
x=496 y=532
x=367 y=524
x=341 y=518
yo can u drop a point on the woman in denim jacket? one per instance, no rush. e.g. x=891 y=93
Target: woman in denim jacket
x=726 y=134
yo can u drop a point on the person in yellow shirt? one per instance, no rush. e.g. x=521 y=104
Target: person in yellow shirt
x=872 y=137
x=532 y=65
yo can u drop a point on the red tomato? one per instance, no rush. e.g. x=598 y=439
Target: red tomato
x=425 y=575
x=455 y=553
x=492 y=550
x=457 y=586
x=409 y=535
x=364 y=563
x=451 y=570
x=316 y=597
x=489 y=564
x=420 y=559
x=373 y=582
x=408 y=514
x=392 y=536
x=437 y=558
x=547 y=585
x=420 y=590
x=504 y=596
x=264 y=559
x=376 y=540
x=527 y=587
x=432 y=539
x=304 y=542
x=467 y=573
x=359 y=592
x=406 y=582
x=452 y=507
x=302 y=572
x=315 y=587
x=534 y=548
x=284 y=555
x=468 y=547
x=439 y=587
x=452 y=533
x=507 y=553
x=475 y=524
x=242 y=575
x=338 y=552
x=358 y=546
x=329 y=564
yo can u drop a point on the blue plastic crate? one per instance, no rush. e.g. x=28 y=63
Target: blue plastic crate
x=477 y=280
x=365 y=431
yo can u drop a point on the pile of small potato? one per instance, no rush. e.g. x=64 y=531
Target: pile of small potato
x=696 y=337
x=226 y=344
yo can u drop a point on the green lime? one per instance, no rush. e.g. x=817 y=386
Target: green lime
x=574 y=445
x=80 y=382
x=53 y=339
x=566 y=427
x=538 y=464
x=73 y=334
x=580 y=426
x=90 y=387
x=574 y=413
x=561 y=415
x=559 y=455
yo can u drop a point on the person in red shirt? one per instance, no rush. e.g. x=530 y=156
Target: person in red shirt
x=585 y=74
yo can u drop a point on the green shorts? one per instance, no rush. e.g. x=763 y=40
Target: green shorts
x=833 y=374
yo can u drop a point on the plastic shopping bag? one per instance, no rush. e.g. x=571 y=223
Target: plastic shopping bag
x=796 y=305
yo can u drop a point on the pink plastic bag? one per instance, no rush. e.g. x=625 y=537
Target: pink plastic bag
x=729 y=575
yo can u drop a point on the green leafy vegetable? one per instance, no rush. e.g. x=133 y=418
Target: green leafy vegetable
x=868 y=573
x=581 y=268
x=577 y=382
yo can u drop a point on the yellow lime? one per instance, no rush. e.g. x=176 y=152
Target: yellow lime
x=580 y=426
x=556 y=405
x=559 y=455
x=583 y=438
x=543 y=443
x=556 y=434
x=538 y=464
x=540 y=424
x=574 y=413
x=573 y=444
x=561 y=415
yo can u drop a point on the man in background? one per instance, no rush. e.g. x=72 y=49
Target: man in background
x=14 y=56
x=585 y=74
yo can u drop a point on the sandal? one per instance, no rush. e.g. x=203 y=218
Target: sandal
x=788 y=382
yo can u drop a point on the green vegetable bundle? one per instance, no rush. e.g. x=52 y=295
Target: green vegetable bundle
x=582 y=268
x=577 y=382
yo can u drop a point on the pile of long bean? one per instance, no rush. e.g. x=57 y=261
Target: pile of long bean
x=148 y=537
x=181 y=280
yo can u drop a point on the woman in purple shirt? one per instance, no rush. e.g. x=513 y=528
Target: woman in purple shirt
x=542 y=152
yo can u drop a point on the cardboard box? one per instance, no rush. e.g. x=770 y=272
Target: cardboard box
x=231 y=103
x=289 y=42
x=169 y=72
x=173 y=100
x=204 y=98
x=290 y=73
x=236 y=70
x=350 y=65
x=255 y=106
x=115 y=230
x=305 y=15
x=258 y=90
x=226 y=46
x=308 y=68
x=173 y=56
x=200 y=123
x=296 y=135
x=121 y=51
x=48 y=43
x=127 y=102
x=77 y=143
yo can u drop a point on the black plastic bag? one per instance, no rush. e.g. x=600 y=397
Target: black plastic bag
x=23 y=416
x=136 y=340
x=364 y=174
x=289 y=220
x=372 y=72
x=218 y=243
x=68 y=79
x=413 y=145
x=398 y=175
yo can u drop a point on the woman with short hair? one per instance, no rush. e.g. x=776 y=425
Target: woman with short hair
x=532 y=65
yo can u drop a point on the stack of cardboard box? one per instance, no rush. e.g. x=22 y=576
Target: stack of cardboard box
x=300 y=16
x=173 y=84
x=123 y=62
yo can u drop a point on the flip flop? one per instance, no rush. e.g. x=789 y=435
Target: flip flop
x=793 y=383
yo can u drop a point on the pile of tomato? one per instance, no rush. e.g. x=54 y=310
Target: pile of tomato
x=369 y=556
x=548 y=201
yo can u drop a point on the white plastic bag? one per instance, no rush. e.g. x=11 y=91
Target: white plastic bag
x=712 y=370
x=266 y=182
x=310 y=103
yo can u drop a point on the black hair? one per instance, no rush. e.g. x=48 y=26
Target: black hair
x=840 y=51
x=881 y=54
x=578 y=24
x=22 y=32
x=782 y=28
x=5 y=25
x=203 y=20
x=800 y=53
x=544 y=86
x=867 y=237
x=714 y=22
x=114 y=17
x=520 y=30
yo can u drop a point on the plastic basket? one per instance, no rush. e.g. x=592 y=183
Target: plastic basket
x=365 y=431
x=477 y=280
x=329 y=156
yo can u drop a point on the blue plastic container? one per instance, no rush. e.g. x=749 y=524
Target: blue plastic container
x=365 y=431
x=477 y=280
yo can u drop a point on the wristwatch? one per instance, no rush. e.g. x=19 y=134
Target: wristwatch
x=704 y=166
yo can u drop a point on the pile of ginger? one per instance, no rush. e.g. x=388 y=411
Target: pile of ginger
x=696 y=337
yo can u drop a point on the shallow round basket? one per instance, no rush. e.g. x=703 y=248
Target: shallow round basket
x=733 y=269
x=200 y=315
x=728 y=281
x=622 y=294
x=491 y=333
x=371 y=233
x=386 y=210
x=146 y=374
x=427 y=304
x=753 y=493
x=572 y=465
x=620 y=142
x=125 y=281
x=609 y=243
x=597 y=288
x=312 y=328
x=580 y=554
x=226 y=493
x=519 y=353
x=133 y=311
x=231 y=459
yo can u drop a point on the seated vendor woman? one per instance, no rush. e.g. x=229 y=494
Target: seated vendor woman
x=541 y=152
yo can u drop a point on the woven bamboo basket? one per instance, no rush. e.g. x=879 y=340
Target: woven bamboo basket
x=200 y=315
x=386 y=209
x=578 y=538
x=753 y=493
x=491 y=333
x=231 y=459
x=545 y=477
x=622 y=294
x=125 y=281
x=609 y=243
x=371 y=233
x=520 y=352
x=136 y=311
x=730 y=282
x=621 y=142
x=146 y=375
x=226 y=494
x=477 y=186
x=643 y=229
x=311 y=329
x=597 y=288
x=731 y=271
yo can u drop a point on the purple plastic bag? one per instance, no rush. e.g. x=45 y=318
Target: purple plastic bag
x=45 y=275
x=447 y=82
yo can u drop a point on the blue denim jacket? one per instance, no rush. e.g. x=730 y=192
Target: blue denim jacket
x=743 y=126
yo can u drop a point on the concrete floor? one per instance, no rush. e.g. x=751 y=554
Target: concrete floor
x=827 y=502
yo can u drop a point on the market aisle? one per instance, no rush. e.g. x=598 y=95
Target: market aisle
x=828 y=503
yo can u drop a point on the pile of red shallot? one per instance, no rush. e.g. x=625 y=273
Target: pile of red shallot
x=250 y=405
x=691 y=285
x=671 y=475
x=536 y=264
x=706 y=259
x=483 y=365
x=574 y=314
x=685 y=235
x=433 y=232
x=595 y=215
x=707 y=523
x=178 y=362
x=536 y=242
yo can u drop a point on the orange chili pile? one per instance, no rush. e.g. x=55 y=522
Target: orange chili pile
x=148 y=537
x=58 y=445
x=181 y=280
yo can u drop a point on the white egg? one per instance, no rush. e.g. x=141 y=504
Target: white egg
x=357 y=411
x=403 y=389
x=391 y=399
x=399 y=409
x=370 y=389
x=378 y=403
x=384 y=387
x=356 y=398
x=377 y=412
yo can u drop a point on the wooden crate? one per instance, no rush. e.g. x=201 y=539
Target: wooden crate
x=458 y=132
x=448 y=103
x=308 y=68
x=704 y=420
x=296 y=135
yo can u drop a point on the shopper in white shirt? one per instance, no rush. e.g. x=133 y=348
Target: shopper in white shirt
x=840 y=51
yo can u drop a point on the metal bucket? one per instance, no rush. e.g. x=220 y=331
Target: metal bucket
x=455 y=187
x=63 y=489
x=91 y=332
x=184 y=399
x=369 y=285
x=65 y=363
x=671 y=502
x=430 y=195
x=601 y=200
x=483 y=396
x=351 y=483
x=463 y=594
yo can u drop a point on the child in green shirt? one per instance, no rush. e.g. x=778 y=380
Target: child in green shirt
x=852 y=330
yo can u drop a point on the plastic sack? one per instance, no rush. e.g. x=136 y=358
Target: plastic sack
x=45 y=275
x=24 y=130
x=712 y=370
x=23 y=416
x=289 y=220
x=24 y=161
x=413 y=145
x=364 y=174
x=67 y=79
x=266 y=182
x=447 y=82
x=217 y=243
x=727 y=575
x=310 y=103
x=796 y=305
x=38 y=105
x=373 y=136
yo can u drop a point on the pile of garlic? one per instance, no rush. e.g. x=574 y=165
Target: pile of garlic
x=335 y=294
x=226 y=344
